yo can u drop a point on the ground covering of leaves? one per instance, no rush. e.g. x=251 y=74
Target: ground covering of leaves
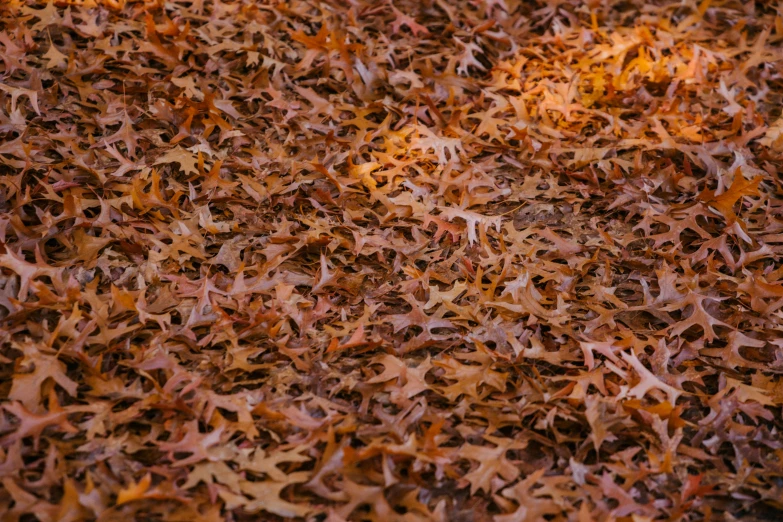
x=360 y=260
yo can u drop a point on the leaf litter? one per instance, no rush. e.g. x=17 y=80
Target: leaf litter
x=493 y=260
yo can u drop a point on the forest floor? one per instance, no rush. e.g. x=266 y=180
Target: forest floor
x=450 y=260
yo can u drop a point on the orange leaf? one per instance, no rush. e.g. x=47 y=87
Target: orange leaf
x=725 y=202
x=134 y=491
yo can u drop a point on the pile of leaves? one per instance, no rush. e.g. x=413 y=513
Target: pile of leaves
x=400 y=260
